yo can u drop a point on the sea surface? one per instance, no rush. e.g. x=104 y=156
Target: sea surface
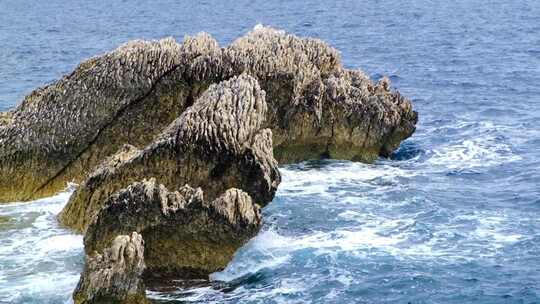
x=452 y=217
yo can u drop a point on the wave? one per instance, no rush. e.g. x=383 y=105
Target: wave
x=465 y=237
x=38 y=258
x=287 y=267
x=480 y=144
x=317 y=178
x=471 y=153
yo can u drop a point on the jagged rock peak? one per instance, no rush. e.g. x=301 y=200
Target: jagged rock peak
x=201 y=44
x=266 y=51
x=114 y=275
x=237 y=207
x=225 y=118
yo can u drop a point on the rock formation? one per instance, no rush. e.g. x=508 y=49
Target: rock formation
x=61 y=131
x=115 y=274
x=316 y=107
x=185 y=236
x=197 y=119
x=217 y=144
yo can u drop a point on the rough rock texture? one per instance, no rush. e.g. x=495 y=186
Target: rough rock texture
x=217 y=144
x=185 y=235
x=317 y=108
x=5 y=119
x=61 y=131
x=115 y=274
x=173 y=115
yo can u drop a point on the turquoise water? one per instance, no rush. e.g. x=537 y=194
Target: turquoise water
x=452 y=217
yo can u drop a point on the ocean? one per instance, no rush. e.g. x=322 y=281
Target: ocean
x=453 y=216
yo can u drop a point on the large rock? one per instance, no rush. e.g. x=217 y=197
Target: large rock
x=317 y=108
x=185 y=235
x=217 y=144
x=114 y=274
x=61 y=131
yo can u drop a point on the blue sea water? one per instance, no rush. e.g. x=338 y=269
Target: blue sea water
x=452 y=217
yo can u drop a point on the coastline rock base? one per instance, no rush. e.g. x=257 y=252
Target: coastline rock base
x=184 y=235
x=114 y=275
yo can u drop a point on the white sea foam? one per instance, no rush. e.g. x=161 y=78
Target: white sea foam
x=55 y=243
x=492 y=229
x=266 y=245
x=319 y=181
x=471 y=153
x=380 y=236
x=40 y=286
x=482 y=144
x=34 y=250
x=52 y=205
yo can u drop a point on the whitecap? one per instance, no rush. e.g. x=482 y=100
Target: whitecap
x=494 y=230
x=318 y=181
x=471 y=153
x=262 y=252
x=56 y=243
x=33 y=254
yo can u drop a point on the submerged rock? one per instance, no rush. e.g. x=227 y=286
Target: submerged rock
x=217 y=144
x=114 y=274
x=316 y=107
x=185 y=236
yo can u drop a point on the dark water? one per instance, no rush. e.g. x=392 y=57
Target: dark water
x=452 y=218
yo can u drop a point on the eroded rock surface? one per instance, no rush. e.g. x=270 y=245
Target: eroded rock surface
x=185 y=235
x=172 y=115
x=5 y=119
x=114 y=274
x=217 y=144
x=61 y=131
x=316 y=107
x=319 y=109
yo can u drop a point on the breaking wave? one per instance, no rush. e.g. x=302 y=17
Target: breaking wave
x=38 y=259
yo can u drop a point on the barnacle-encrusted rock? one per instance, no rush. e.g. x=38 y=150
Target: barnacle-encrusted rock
x=217 y=144
x=316 y=107
x=185 y=235
x=114 y=274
